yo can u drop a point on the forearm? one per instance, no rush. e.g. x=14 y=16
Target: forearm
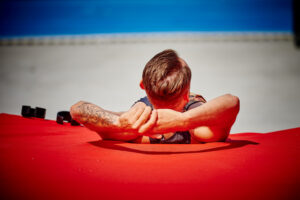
x=219 y=112
x=109 y=125
x=95 y=118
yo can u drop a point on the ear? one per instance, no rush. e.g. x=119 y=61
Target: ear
x=142 y=85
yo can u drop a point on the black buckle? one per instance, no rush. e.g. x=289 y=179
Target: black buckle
x=38 y=112
x=65 y=116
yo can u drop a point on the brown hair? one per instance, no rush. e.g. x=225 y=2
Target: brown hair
x=166 y=77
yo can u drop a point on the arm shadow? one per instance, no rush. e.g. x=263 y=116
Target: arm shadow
x=161 y=149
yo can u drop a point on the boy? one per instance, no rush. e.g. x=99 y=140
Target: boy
x=169 y=113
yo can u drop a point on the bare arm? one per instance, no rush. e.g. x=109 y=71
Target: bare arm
x=210 y=122
x=95 y=118
x=111 y=125
x=218 y=116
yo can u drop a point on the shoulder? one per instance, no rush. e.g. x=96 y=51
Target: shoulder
x=196 y=97
x=144 y=100
x=195 y=100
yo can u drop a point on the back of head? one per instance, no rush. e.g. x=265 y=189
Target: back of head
x=166 y=77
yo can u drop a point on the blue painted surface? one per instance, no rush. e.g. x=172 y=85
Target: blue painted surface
x=53 y=17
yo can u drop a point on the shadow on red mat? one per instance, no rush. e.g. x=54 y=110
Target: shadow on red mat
x=156 y=149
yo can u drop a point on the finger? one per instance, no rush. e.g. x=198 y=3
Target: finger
x=133 y=109
x=149 y=125
x=132 y=114
x=136 y=115
x=143 y=118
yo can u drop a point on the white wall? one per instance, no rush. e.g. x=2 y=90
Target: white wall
x=265 y=75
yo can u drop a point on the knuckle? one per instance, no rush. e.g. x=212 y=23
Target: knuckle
x=148 y=109
x=130 y=121
x=123 y=119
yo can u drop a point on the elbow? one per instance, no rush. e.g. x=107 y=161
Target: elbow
x=75 y=109
x=234 y=103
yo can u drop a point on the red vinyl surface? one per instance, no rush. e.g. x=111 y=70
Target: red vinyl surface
x=41 y=159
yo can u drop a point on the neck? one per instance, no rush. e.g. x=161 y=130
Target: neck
x=178 y=106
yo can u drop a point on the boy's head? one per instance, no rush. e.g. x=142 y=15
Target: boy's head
x=166 y=80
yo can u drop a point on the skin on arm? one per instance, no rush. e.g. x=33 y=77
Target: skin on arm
x=220 y=115
x=114 y=126
x=210 y=122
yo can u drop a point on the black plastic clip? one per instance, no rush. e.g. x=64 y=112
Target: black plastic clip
x=38 y=112
x=65 y=116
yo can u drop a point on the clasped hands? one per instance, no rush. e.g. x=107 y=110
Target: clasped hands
x=142 y=120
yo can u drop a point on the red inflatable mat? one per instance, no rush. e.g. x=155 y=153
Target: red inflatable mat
x=44 y=160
